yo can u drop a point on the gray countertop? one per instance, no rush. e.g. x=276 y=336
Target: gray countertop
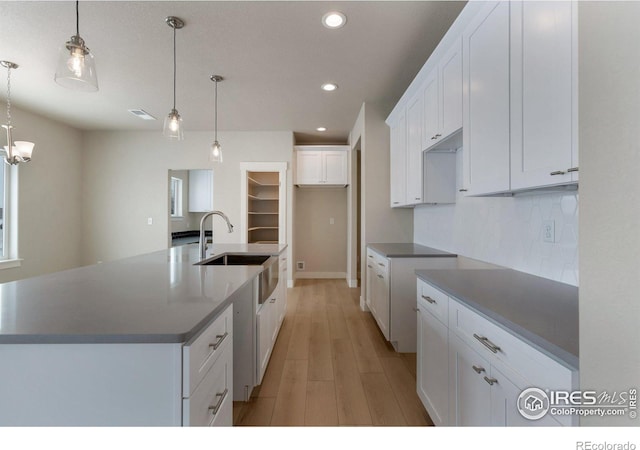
x=407 y=250
x=160 y=297
x=541 y=312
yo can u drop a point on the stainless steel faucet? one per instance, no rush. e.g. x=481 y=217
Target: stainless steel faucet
x=203 y=241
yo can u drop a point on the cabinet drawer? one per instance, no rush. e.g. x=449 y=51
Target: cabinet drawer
x=508 y=352
x=434 y=301
x=201 y=353
x=211 y=403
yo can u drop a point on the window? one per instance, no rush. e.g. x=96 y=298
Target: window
x=176 y=197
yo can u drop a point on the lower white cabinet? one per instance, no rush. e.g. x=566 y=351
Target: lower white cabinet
x=478 y=367
x=269 y=319
x=391 y=294
x=433 y=364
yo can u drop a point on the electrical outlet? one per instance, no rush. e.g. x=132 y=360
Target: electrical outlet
x=300 y=265
x=332 y=221
x=149 y=220
x=548 y=231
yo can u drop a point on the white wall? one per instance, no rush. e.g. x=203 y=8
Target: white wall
x=379 y=222
x=49 y=222
x=506 y=231
x=125 y=182
x=609 y=71
x=321 y=245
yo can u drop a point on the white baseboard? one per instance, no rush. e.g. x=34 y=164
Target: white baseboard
x=352 y=283
x=314 y=275
x=363 y=305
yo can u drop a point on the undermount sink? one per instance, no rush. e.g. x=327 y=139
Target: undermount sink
x=236 y=260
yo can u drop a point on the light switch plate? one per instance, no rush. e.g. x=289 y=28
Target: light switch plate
x=548 y=231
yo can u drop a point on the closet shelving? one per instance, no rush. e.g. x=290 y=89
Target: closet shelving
x=263 y=199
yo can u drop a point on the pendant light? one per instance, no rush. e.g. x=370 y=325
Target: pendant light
x=76 y=68
x=15 y=151
x=173 y=122
x=216 y=148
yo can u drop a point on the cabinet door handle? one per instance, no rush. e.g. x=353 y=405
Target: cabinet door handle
x=417 y=198
x=396 y=203
x=370 y=256
x=478 y=369
x=573 y=169
x=381 y=265
x=487 y=343
x=369 y=266
x=437 y=135
x=380 y=276
x=220 y=338
x=220 y=396
x=433 y=137
x=273 y=300
x=462 y=190
x=491 y=381
x=557 y=172
x=429 y=299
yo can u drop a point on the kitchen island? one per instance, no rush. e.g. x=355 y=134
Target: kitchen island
x=105 y=344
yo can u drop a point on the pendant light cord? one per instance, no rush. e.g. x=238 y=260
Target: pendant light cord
x=9 y=96
x=216 y=112
x=77 y=18
x=174 y=67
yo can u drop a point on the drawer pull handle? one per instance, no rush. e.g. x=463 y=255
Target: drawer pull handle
x=221 y=396
x=273 y=300
x=369 y=266
x=380 y=276
x=220 y=337
x=487 y=343
x=463 y=190
x=381 y=265
x=370 y=256
x=478 y=369
x=573 y=169
x=429 y=299
x=491 y=381
x=557 y=172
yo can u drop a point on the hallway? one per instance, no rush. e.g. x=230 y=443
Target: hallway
x=331 y=366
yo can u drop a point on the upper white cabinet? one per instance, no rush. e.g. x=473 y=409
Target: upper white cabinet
x=486 y=101
x=398 y=161
x=543 y=94
x=443 y=100
x=414 y=151
x=322 y=165
x=200 y=190
x=506 y=73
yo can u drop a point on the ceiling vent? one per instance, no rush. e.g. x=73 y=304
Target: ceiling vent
x=141 y=113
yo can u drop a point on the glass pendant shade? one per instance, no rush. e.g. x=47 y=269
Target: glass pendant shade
x=216 y=152
x=173 y=126
x=76 y=67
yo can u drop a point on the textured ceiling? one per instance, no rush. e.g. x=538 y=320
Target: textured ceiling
x=274 y=57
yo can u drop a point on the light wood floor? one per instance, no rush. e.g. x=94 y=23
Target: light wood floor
x=331 y=366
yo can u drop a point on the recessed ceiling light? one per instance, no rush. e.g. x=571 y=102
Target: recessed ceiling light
x=334 y=19
x=329 y=87
x=321 y=129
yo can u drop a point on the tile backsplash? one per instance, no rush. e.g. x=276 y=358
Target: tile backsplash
x=507 y=231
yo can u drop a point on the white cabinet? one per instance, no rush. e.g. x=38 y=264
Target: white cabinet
x=398 y=162
x=443 y=100
x=414 y=151
x=416 y=176
x=200 y=190
x=433 y=360
x=391 y=294
x=520 y=97
x=486 y=106
x=543 y=94
x=269 y=319
x=208 y=375
x=478 y=367
x=322 y=165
